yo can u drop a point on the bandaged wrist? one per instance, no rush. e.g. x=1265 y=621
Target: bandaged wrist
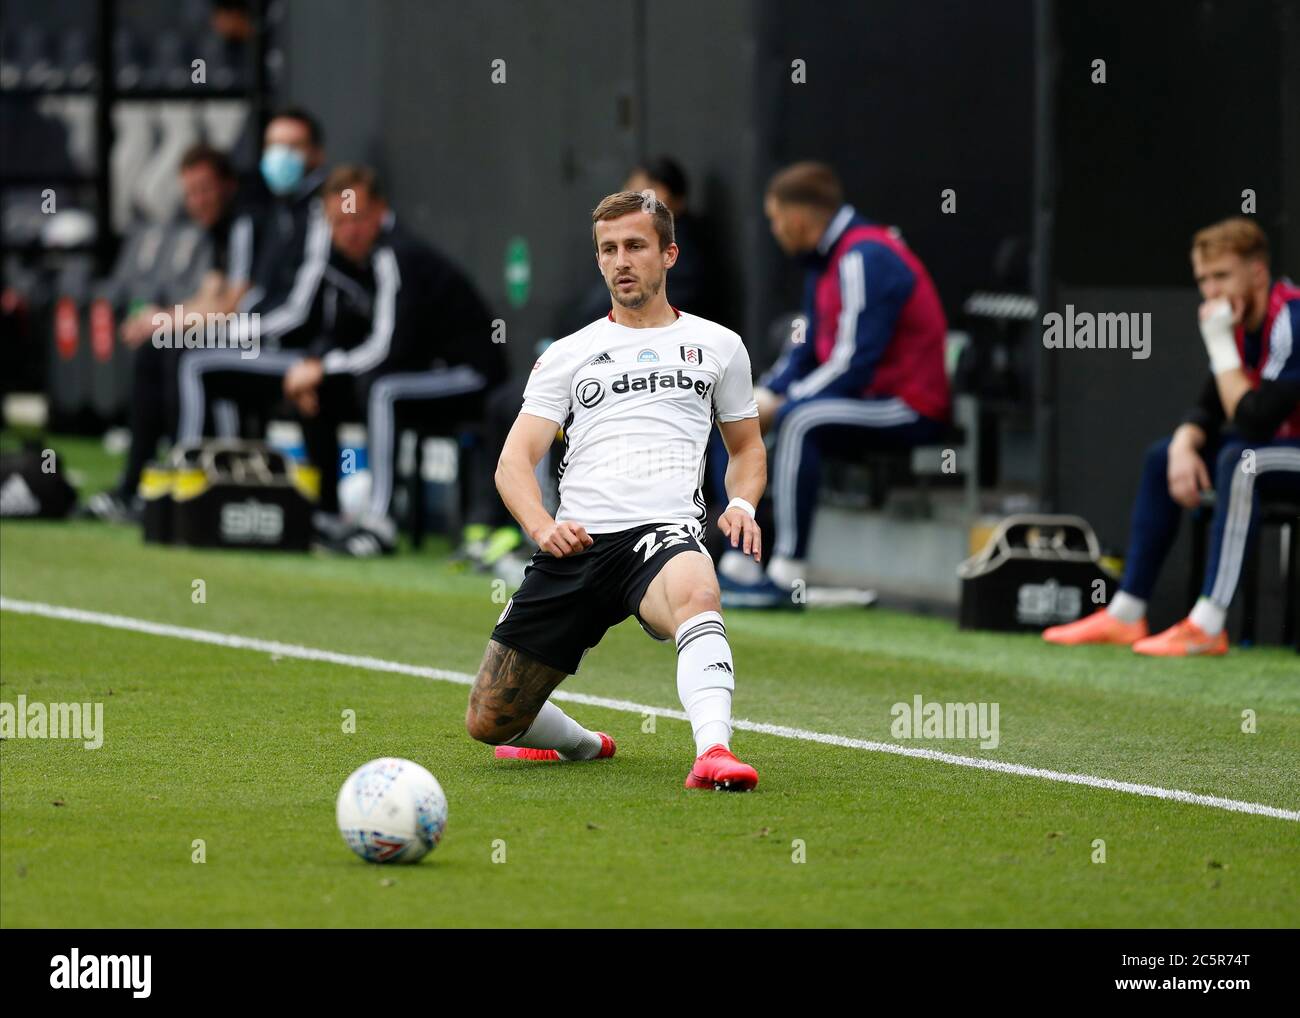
x=740 y=503
x=1220 y=342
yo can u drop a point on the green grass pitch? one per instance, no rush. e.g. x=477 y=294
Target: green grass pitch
x=246 y=752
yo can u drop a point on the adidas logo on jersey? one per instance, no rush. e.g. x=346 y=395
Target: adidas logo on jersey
x=719 y=666
x=604 y=358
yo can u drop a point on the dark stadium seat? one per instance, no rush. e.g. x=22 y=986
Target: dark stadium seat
x=1278 y=513
x=884 y=468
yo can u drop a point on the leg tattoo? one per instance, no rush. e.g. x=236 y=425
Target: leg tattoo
x=508 y=692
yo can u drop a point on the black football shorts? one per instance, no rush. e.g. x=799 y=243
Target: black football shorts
x=565 y=605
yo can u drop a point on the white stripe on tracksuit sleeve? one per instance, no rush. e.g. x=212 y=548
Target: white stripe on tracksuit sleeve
x=372 y=351
x=292 y=314
x=239 y=260
x=853 y=298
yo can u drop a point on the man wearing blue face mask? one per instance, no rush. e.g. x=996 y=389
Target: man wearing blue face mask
x=283 y=168
x=287 y=268
x=293 y=169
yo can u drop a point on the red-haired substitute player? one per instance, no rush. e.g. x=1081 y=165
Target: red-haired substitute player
x=636 y=394
x=1247 y=422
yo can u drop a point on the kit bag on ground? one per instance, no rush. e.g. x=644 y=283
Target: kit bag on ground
x=228 y=494
x=1034 y=572
x=32 y=485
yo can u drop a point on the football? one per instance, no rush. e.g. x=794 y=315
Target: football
x=391 y=810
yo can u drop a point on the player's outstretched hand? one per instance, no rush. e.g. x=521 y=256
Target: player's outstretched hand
x=742 y=531
x=560 y=539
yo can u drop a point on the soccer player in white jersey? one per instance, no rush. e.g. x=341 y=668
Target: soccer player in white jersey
x=636 y=395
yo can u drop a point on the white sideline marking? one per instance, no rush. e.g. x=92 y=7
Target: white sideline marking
x=443 y=675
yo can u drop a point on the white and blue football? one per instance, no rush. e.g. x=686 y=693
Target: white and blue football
x=391 y=810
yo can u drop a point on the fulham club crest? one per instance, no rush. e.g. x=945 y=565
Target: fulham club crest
x=692 y=355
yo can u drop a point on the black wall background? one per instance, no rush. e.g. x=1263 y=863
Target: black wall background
x=590 y=87
x=905 y=99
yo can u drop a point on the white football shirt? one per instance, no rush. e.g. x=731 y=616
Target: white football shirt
x=637 y=407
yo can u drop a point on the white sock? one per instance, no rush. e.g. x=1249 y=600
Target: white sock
x=785 y=571
x=1209 y=616
x=553 y=729
x=739 y=567
x=705 y=678
x=1127 y=608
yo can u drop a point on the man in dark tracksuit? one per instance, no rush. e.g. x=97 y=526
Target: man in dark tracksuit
x=394 y=335
x=293 y=169
x=214 y=281
x=294 y=245
x=869 y=374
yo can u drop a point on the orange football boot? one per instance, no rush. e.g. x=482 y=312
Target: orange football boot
x=1183 y=639
x=524 y=753
x=718 y=769
x=1099 y=627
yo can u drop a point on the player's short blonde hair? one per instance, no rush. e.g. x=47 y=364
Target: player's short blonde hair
x=1238 y=235
x=622 y=203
